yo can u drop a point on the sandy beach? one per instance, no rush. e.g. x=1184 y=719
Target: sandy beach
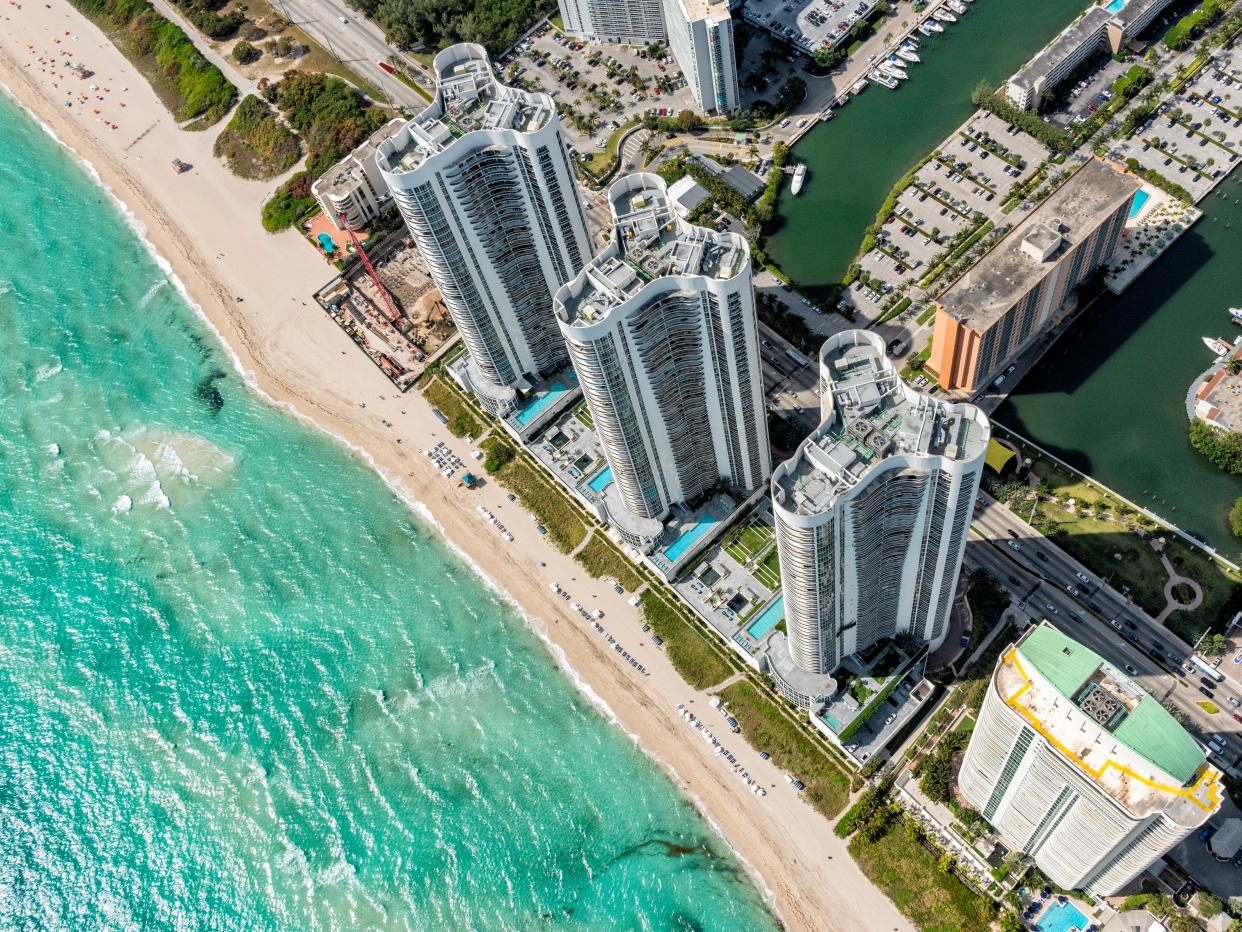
x=205 y=224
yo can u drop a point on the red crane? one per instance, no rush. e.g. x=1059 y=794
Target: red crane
x=393 y=316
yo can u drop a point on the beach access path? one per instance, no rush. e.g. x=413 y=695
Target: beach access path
x=205 y=223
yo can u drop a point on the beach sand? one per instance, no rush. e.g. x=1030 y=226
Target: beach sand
x=205 y=223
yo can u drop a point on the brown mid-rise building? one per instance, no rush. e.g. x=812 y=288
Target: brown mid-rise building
x=1027 y=282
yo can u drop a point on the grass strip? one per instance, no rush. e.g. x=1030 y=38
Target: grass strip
x=767 y=728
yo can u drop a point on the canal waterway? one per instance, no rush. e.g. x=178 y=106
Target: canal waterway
x=857 y=157
x=1109 y=398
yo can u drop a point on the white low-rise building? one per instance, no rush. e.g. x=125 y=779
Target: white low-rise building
x=352 y=192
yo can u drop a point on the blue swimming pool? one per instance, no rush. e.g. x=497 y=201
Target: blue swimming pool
x=1061 y=917
x=689 y=537
x=540 y=404
x=768 y=620
x=1116 y=6
x=1140 y=198
x=601 y=481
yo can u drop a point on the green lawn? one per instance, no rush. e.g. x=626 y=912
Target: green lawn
x=908 y=873
x=461 y=420
x=767 y=729
x=601 y=558
x=698 y=660
x=749 y=542
x=1096 y=541
x=769 y=571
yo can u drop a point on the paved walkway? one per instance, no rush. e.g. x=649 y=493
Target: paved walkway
x=1171 y=604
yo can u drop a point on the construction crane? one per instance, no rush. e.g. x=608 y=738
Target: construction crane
x=393 y=316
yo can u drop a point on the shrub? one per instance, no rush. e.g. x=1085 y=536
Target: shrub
x=244 y=53
x=497 y=24
x=291 y=202
x=255 y=144
x=1223 y=448
x=332 y=117
x=694 y=657
x=1235 y=518
x=499 y=454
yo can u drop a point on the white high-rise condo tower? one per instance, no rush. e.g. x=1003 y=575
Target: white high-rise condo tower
x=871 y=516
x=629 y=22
x=1078 y=767
x=699 y=33
x=662 y=332
x=483 y=180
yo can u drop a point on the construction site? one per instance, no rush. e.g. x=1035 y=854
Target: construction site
x=385 y=300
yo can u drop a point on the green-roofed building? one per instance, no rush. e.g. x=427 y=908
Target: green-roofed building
x=1079 y=767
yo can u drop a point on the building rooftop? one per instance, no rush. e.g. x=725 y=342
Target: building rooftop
x=874 y=415
x=1087 y=28
x=687 y=194
x=741 y=180
x=1094 y=714
x=650 y=241
x=468 y=98
x=1219 y=398
x=343 y=177
x=714 y=11
x=1135 y=10
x=1016 y=264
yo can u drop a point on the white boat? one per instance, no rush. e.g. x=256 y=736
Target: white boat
x=925 y=29
x=1236 y=314
x=957 y=7
x=908 y=54
x=827 y=114
x=945 y=16
x=890 y=69
x=799 y=178
x=882 y=79
x=912 y=42
x=860 y=86
x=1219 y=347
x=934 y=26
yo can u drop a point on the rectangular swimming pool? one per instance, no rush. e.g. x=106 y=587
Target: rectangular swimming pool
x=1140 y=198
x=1116 y=6
x=1061 y=917
x=540 y=404
x=601 y=481
x=689 y=537
x=768 y=619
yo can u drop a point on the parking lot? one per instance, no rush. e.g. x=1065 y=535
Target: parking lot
x=597 y=88
x=965 y=182
x=1194 y=139
x=1085 y=92
x=808 y=24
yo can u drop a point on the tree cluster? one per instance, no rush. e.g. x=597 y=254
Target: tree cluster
x=496 y=24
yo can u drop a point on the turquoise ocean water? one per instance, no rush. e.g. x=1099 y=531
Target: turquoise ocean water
x=240 y=687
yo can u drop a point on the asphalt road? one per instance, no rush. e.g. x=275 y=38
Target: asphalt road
x=357 y=42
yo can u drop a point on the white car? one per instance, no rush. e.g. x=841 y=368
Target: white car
x=1084 y=577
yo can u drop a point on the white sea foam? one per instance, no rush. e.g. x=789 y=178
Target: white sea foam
x=122 y=504
x=146 y=298
x=46 y=372
x=418 y=508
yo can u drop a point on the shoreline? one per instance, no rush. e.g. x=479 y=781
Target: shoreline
x=299 y=361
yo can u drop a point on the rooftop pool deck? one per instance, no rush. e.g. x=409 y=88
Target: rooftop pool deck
x=601 y=481
x=540 y=404
x=690 y=536
x=768 y=619
x=1141 y=197
x=1062 y=917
